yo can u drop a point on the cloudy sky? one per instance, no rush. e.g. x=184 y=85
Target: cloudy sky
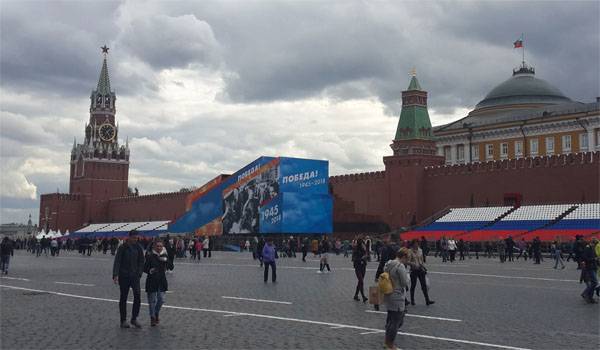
x=206 y=87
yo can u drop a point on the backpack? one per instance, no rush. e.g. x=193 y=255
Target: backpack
x=385 y=284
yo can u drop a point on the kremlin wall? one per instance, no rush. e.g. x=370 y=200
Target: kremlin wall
x=499 y=154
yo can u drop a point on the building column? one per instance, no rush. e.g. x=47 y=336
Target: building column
x=591 y=139
x=453 y=154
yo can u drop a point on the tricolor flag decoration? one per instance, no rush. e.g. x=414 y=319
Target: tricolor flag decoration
x=518 y=43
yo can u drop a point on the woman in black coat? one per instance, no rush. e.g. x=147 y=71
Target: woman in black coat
x=359 y=259
x=156 y=265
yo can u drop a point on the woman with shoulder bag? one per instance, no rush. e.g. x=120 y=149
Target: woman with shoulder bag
x=418 y=272
x=156 y=265
x=394 y=301
x=359 y=259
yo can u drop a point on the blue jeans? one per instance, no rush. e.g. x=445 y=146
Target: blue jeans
x=155 y=301
x=591 y=281
x=4 y=261
x=558 y=258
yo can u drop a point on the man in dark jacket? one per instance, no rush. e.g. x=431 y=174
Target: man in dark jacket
x=127 y=271
x=589 y=267
x=537 y=249
x=6 y=251
x=510 y=247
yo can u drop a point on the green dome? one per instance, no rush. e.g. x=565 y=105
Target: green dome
x=523 y=88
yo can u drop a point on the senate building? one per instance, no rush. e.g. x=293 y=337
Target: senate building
x=524 y=143
x=523 y=116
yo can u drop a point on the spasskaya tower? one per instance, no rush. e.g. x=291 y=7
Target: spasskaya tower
x=99 y=166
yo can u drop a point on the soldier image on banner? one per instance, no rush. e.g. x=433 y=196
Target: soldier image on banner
x=241 y=205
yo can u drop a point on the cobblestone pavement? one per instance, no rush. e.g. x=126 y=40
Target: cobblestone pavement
x=70 y=302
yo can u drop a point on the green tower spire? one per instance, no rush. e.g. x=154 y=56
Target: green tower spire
x=103 y=99
x=104 y=81
x=414 y=120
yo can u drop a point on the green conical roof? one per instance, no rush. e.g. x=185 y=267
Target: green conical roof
x=414 y=84
x=414 y=120
x=414 y=124
x=104 y=81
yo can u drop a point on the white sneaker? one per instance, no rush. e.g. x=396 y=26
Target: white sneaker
x=319 y=271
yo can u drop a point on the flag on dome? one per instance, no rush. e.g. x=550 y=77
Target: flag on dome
x=519 y=42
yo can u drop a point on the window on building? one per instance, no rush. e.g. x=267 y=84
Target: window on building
x=549 y=145
x=475 y=153
x=460 y=152
x=597 y=143
x=504 y=150
x=583 y=142
x=489 y=151
x=518 y=149
x=447 y=154
x=566 y=143
x=533 y=147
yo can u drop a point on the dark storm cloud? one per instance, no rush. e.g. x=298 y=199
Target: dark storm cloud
x=264 y=52
x=290 y=51
x=168 y=42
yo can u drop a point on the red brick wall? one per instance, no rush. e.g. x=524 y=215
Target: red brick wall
x=366 y=192
x=64 y=211
x=422 y=191
x=541 y=180
x=162 y=206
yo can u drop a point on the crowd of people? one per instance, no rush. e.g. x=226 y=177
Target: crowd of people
x=403 y=263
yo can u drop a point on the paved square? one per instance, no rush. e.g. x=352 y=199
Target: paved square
x=70 y=302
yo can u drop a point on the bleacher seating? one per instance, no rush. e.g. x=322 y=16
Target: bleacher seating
x=121 y=229
x=484 y=214
x=466 y=219
x=492 y=223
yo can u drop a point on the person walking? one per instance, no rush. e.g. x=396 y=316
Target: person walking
x=156 y=265
x=206 y=242
x=6 y=251
x=510 y=245
x=444 y=249
x=198 y=247
x=461 y=249
x=127 y=271
x=324 y=249
x=424 y=245
x=304 y=249
x=522 y=245
x=394 y=301
x=556 y=252
x=536 y=246
x=269 y=254
x=502 y=250
x=359 y=260
x=388 y=252
x=418 y=272
x=452 y=249
x=589 y=267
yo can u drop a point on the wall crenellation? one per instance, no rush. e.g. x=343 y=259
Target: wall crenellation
x=373 y=175
x=562 y=160
x=166 y=196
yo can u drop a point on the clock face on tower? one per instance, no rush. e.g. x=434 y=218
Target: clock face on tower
x=107 y=132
